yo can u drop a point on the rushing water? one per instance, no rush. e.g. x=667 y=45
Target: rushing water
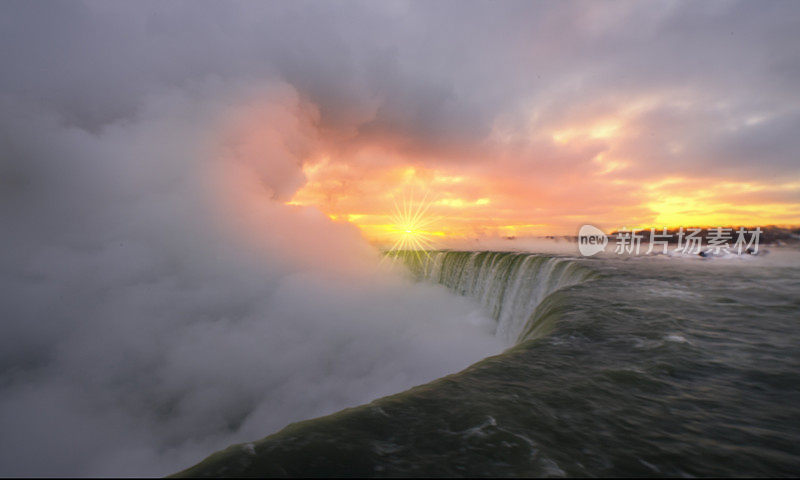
x=635 y=366
x=510 y=285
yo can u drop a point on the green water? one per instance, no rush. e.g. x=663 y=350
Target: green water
x=647 y=366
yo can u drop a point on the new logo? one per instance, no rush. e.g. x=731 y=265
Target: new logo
x=591 y=240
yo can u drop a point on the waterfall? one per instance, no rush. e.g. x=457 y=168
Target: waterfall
x=512 y=286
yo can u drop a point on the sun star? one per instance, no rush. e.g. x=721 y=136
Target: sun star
x=411 y=223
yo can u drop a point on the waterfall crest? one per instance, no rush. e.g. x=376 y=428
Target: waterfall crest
x=514 y=287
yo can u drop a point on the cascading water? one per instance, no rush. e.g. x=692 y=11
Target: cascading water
x=512 y=286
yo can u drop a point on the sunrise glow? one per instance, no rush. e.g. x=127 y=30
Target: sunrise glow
x=502 y=202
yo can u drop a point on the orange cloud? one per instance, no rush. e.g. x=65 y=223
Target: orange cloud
x=612 y=167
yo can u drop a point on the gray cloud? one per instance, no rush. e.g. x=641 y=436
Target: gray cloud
x=427 y=74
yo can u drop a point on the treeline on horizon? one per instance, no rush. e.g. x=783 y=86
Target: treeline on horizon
x=770 y=234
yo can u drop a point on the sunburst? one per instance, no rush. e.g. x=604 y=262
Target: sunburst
x=412 y=225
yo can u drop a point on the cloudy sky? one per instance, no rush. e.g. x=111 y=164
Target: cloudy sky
x=188 y=191
x=519 y=117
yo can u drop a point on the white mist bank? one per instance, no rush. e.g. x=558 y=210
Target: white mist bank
x=767 y=255
x=160 y=302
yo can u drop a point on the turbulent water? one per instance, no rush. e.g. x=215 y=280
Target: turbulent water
x=616 y=366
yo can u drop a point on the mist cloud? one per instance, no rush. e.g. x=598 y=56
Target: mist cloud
x=160 y=300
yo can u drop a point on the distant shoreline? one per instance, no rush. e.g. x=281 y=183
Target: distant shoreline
x=770 y=235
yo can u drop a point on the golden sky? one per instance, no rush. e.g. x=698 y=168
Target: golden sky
x=608 y=170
